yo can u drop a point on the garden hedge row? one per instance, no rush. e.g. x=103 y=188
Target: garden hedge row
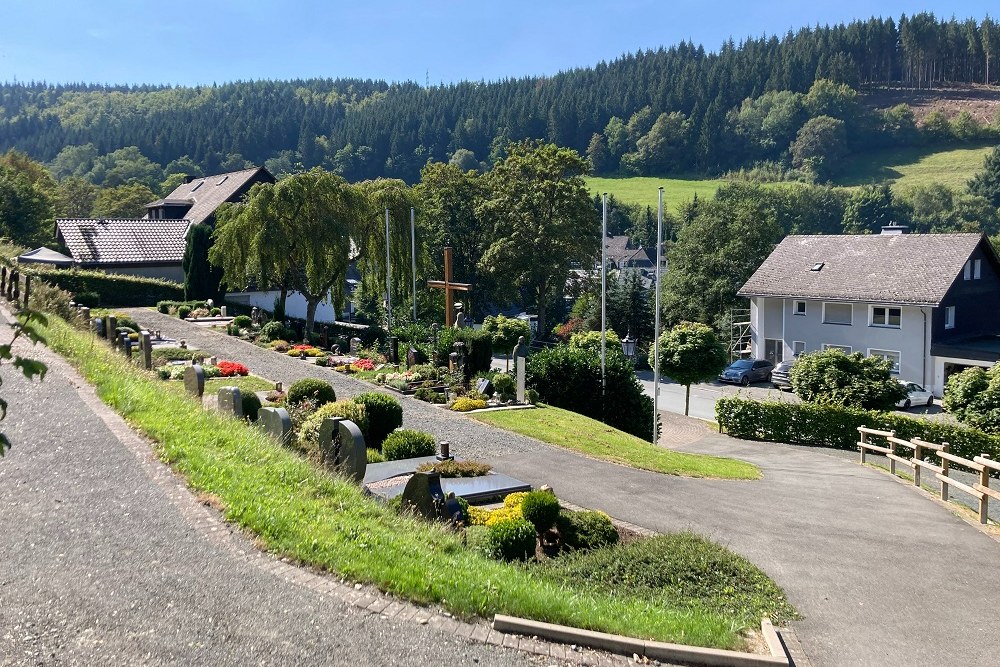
x=114 y=289
x=830 y=426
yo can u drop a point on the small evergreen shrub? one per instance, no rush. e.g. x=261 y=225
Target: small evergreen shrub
x=375 y=456
x=88 y=299
x=280 y=345
x=505 y=386
x=586 y=530
x=215 y=312
x=541 y=508
x=511 y=539
x=320 y=391
x=456 y=468
x=408 y=444
x=273 y=331
x=429 y=395
x=183 y=311
x=251 y=405
x=385 y=415
x=242 y=322
x=466 y=404
x=126 y=322
x=309 y=433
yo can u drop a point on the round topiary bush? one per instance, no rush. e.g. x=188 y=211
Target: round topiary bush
x=408 y=444
x=320 y=391
x=385 y=415
x=309 y=432
x=541 y=508
x=272 y=331
x=504 y=385
x=183 y=311
x=242 y=322
x=511 y=539
x=251 y=405
x=586 y=530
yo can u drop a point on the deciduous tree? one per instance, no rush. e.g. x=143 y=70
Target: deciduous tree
x=689 y=352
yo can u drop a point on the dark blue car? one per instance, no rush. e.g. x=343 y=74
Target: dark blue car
x=747 y=371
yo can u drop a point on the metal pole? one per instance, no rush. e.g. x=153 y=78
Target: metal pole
x=413 y=256
x=388 y=277
x=656 y=318
x=604 y=290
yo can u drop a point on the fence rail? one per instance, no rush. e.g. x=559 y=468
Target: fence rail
x=982 y=464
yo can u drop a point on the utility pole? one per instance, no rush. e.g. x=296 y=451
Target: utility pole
x=388 y=278
x=656 y=319
x=413 y=256
x=604 y=304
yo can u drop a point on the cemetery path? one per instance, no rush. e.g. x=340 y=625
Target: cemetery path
x=106 y=558
x=881 y=575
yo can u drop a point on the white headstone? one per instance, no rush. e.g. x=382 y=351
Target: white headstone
x=520 y=379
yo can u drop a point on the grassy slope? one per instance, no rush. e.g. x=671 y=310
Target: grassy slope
x=567 y=429
x=308 y=515
x=902 y=167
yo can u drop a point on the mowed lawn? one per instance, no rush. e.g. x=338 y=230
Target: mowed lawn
x=588 y=436
x=642 y=189
x=921 y=166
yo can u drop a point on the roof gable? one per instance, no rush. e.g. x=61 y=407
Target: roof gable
x=124 y=241
x=207 y=194
x=916 y=269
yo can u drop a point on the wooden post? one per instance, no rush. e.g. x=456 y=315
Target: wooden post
x=27 y=289
x=864 y=441
x=984 y=502
x=3 y=280
x=147 y=351
x=946 y=448
x=917 y=456
x=892 y=450
x=16 y=280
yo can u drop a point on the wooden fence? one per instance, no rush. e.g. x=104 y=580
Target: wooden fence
x=920 y=449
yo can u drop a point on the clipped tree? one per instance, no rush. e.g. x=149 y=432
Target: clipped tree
x=201 y=278
x=690 y=352
x=505 y=332
x=832 y=377
x=973 y=397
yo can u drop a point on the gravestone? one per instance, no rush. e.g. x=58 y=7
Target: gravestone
x=84 y=313
x=147 y=351
x=231 y=401
x=222 y=311
x=355 y=345
x=110 y=327
x=394 y=349
x=520 y=357
x=342 y=447
x=276 y=423
x=411 y=357
x=424 y=494
x=484 y=386
x=98 y=325
x=127 y=345
x=325 y=337
x=255 y=318
x=194 y=380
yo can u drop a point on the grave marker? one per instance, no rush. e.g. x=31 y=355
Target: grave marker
x=424 y=494
x=222 y=310
x=127 y=345
x=276 y=423
x=355 y=345
x=194 y=380
x=520 y=357
x=111 y=328
x=342 y=447
x=231 y=401
x=147 y=351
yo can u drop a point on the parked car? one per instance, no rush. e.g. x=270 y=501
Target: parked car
x=915 y=395
x=745 y=371
x=781 y=375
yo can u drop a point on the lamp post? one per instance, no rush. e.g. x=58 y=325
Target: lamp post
x=656 y=318
x=604 y=289
x=628 y=345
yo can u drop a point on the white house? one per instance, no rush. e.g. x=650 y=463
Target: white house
x=928 y=302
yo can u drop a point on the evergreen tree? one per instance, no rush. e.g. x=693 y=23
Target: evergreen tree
x=201 y=279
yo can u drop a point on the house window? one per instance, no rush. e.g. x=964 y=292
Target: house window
x=799 y=307
x=838 y=313
x=798 y=347
x=846 y=349
x=887 y=354
x=949 y=317
x=977 y=266
x=885 y=316
x=967 y=271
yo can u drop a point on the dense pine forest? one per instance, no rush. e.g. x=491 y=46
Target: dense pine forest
x=677 y=109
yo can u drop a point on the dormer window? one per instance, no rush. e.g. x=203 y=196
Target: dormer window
x=222 y=180
x=198 y=185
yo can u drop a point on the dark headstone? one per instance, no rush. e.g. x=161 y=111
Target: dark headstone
x=147 y=350
x=127 y=345
x=85 y=313
x=230 y=401
x=484 y=386
x=325 y=337
x=276 y=423
x=424 y=494
x=394 y=349
x=411 y=357
x=27 y=290
x=3 y=279
x=98 y=325
x=342 y=447
x=111 y=328
x=194 y=380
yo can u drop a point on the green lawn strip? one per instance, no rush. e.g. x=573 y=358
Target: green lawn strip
x=589 y=436
x=642 y=190
x=245 y=383
x=915 y=166
x=302 y=513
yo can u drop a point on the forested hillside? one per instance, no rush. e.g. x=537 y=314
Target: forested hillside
x=653 y=112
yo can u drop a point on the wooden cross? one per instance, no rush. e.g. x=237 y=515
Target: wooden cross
x=449 y=288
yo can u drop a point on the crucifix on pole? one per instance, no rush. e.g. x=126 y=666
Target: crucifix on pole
x=449 y=288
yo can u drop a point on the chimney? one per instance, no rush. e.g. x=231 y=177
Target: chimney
x=893 y=229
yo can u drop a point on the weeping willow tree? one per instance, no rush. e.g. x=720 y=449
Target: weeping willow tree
x=369 y=239
x=292 y=235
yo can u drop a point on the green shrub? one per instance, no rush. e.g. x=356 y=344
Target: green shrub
x=251 y=405
x=570 y=378
x=478 y=348
x=49 y=299
x=831 y=426
x=408 y=444
x=973 y=396
x=113 y=290
x=175 y=354
x=242 y=322
x=320 y=391
x=586 y=530
x=273 y=331
x=466 y=404
x=88 y=299
x=126 y=321
x=429 y=395
x=848 y=380
x=309 y=433
x=541 y=508
x=385 y=415
x=668 y=570
x=511 y=539
x=505 y=385
x=375 y=456
x=464 y=505
x=183 y=311
x=456 y=468
x=215 y=312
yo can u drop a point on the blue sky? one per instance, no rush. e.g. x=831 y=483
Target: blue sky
x=213 y=41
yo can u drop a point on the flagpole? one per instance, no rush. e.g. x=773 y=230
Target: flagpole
x=604 y=289
x=388 y=278
x=413 y=256
x=656 y=318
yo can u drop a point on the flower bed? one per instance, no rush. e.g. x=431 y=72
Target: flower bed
x=231 y=368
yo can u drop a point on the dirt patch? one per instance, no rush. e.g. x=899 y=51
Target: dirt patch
x=981 y=101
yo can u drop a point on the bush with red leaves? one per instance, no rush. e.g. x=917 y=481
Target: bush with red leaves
x=228 y=369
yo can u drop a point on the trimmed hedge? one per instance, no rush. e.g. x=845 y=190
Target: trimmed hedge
x=830 y=426
x=114 y=290
x=385 y=415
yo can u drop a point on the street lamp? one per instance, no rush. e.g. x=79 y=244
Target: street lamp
x=628 y=345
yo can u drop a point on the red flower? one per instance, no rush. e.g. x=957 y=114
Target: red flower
x=302 y=347
x=363 y=365
x=231 y=368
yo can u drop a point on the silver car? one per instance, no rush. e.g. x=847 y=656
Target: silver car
x=915 y=395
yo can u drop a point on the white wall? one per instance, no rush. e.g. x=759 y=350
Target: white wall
x=295 y=305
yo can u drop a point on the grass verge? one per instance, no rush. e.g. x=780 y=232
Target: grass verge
x=245 y=383
x=588 y=436
x=300 y=512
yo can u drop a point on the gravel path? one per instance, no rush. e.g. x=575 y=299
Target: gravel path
x=101 y=563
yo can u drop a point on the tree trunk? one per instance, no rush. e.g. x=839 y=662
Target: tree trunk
x=687 y=398
x=311 y=305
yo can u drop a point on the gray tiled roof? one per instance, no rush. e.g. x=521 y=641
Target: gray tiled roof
x=124 y=241
x=913 y=269
x=209 y=193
